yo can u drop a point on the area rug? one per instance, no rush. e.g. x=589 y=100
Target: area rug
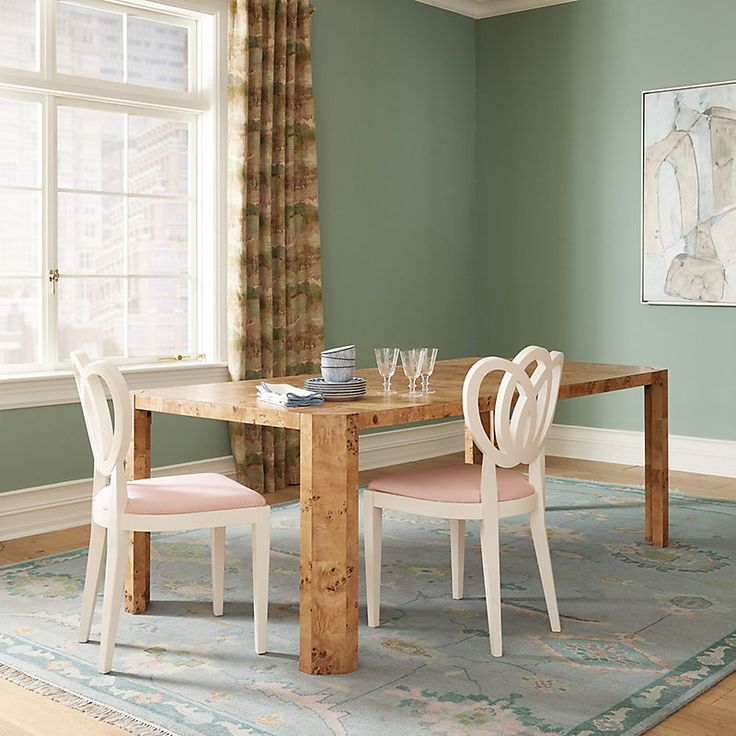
x=644 y=631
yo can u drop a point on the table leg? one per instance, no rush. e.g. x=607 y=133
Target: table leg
x=656 y=461
x=328 y=606
x=472 y=454
x=138 y=465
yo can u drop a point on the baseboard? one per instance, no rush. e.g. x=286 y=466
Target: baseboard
x=688 y=454
x=65 y=505
x=380 y=449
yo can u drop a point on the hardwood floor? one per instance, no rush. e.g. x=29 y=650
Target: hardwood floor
x=23 y=713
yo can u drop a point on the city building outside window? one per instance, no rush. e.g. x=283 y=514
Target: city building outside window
x=110 y=182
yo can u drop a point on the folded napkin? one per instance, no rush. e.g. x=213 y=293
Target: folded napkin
x=286 y=395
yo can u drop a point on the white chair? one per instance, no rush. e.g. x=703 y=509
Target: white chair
x=525 y=406
x=174 y=503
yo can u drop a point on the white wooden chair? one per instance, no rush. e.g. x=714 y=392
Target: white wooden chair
x=525 y=406
x=174 y=503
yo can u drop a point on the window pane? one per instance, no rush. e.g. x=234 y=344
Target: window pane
x=20 y=320
x=20 y=143
x=158 y=151
x=91 y=316
x=159 y=316
x=90 y=149
x=89 y=42
x=158 y=236
x=157 y=54
x=20 y=233
x=18 y=32
x=91 y=233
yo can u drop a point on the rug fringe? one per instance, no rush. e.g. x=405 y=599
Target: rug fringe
x=98 y=711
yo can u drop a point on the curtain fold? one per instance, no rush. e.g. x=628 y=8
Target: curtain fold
x=274 y=299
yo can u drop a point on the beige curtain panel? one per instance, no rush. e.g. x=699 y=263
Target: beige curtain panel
x=274 y=299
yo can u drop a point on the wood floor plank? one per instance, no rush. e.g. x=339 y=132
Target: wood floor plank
x=698 y=718
x=728 y=698
x=720 y=690
x=30 y=714
x=712 y=714
x=9 y=729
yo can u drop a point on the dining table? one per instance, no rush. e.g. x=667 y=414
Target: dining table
x=330 y=445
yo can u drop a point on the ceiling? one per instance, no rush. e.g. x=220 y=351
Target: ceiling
x=488 y=8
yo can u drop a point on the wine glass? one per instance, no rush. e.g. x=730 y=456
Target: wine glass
x=411 y=362
x=386 y=359
x=428 y=368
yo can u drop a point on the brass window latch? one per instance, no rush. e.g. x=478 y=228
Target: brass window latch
x=54 y=277
x=173 y=358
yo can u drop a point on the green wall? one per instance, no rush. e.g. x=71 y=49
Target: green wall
x=49 y=444
x=395 y=96
x=480 y=190
x=559 y=104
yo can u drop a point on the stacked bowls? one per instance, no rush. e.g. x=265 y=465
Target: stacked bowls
x=338 y=364
x=338 y=382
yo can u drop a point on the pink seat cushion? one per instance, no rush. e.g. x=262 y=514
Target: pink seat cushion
x=183 y=494
x=453 y=484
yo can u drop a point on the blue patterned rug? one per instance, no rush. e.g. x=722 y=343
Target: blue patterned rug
x=643 y=631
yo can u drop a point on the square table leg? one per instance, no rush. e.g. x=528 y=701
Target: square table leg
x=138 y=465
x=472 y=454
x=656 y=461
x=328 y=605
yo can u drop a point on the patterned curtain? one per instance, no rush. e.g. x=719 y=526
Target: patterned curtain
x=274 y=280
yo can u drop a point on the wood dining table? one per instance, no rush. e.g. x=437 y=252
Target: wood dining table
x=328 y=583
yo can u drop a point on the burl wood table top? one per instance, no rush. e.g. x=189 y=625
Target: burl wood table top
x=238 y=401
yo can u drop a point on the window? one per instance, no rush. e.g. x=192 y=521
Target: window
x=104 y=197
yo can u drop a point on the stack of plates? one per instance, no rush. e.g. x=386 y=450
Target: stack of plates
x=333 y=391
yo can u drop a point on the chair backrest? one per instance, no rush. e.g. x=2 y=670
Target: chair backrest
x=108 y=438
x=524 y=409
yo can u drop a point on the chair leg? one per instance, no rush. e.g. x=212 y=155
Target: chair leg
x=261 y=553
x=217 y=548
x=117 y=558
x=541 y=548
x=491 y=553
x=92 y=579
x=457 y=556
x=372 y=532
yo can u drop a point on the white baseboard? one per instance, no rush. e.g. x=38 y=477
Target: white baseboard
x=65 y=505
x=406 y=445
x=689 y=454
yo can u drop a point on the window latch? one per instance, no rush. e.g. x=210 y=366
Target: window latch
x=54 y=277
x=176 y=358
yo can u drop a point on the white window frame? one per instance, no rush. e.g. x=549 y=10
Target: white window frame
x=208 y=99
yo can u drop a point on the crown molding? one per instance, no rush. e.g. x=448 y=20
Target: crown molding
x=479 y=9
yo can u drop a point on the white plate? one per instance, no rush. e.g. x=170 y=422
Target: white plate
x=322 y=389
x=352 y=383
x=336 y=386
x=331 y=390
x=341 y=393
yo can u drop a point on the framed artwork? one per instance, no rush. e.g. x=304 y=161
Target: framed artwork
x=689 y=195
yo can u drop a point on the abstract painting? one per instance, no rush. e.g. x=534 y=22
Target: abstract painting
x=689 y=195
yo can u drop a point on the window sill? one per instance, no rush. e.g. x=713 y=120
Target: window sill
x=49 y=389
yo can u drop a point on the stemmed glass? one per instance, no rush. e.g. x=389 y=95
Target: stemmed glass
x=411 y=361
x=386 y=359
x=428 y=368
